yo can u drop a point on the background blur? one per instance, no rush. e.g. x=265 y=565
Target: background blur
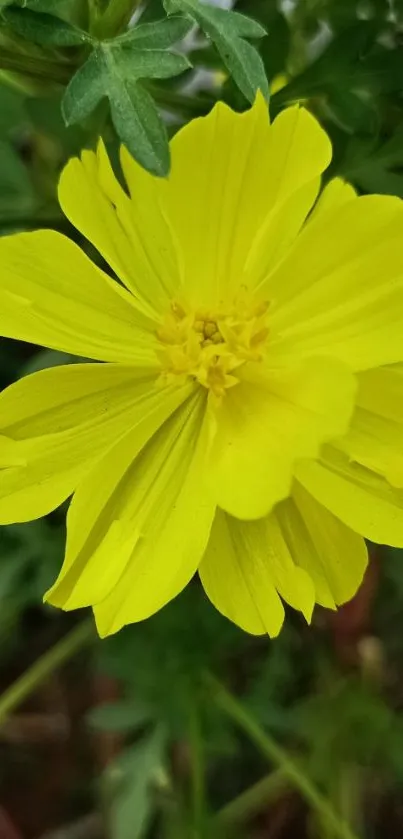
x=124 y=738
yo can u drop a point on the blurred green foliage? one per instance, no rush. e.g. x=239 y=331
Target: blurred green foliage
x=332 y=694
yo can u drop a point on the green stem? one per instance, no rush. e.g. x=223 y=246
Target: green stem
x=197 y=770
x=115 y=18
x=275 y=754
x=36 y=68
x=252 y=801
x=44 y=667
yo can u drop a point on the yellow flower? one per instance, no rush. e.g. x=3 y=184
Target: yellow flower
x=243 y=334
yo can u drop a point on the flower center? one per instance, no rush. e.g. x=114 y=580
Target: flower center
x=211 y=345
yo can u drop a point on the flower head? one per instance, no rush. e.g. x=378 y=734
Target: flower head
x=242 y=414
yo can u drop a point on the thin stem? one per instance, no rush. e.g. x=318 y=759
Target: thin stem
x=44 y=667
x=115 y=18
x=270 y=749
x=36 y=68
x=93 y=11
x=252 y=801
x=197 y=770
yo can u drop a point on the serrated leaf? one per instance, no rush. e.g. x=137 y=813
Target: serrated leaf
x=246 y=68
x=149 y=64
x=115 y=70
x=157 y=35
x=44 y=29
x=227 y=30
x=85 y=89
x=237 y=24
x=119 y=716
x=140 y=127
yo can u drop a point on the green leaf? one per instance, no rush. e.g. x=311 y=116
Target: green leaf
x=234 y=23
x=115 y=70
x=372 y=166
x=119 y=716
x=227 y=30
x=147 y=64
x=43 y=29
x=132 y=809
x=139 y=126
x=157 y=35
x=85 y=90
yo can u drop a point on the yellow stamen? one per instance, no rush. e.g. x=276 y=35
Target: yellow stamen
x=209 y=346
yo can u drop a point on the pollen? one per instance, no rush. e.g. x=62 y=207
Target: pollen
x=210 y=346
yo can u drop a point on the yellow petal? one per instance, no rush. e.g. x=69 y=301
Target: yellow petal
x=60 y=420
x=51 y=294
x=375 y=438
x=340 y=289
x=247 y=565
x=277 y=233
x=10 y=453
x=333 y=555
x=265 y=424
x=151 y=513
x=361 y=499
x=376 y=443
x=239 y=168
x=131 y=233
x=380 y=391
x=335 y=194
